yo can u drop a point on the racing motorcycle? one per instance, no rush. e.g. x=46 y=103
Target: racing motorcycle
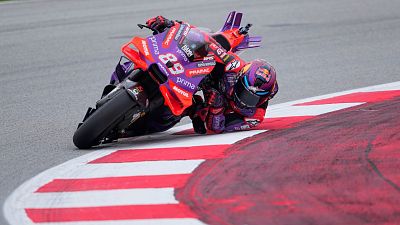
x=162 y=69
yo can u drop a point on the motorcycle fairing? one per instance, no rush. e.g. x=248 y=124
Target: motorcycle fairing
x=133 y=55
x=177 y=54
x=230 y=31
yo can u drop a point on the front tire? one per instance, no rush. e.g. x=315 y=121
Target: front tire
x=104 y=119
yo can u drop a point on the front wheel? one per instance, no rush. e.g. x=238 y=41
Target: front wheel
x=104 y=119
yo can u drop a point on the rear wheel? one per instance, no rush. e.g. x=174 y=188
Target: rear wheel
x=99 y=124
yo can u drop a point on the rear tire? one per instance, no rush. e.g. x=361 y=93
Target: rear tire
x=103 y=120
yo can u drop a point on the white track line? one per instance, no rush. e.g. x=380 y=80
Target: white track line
x=134 y=169
x=311 y=110
x=139 y=196
x=382 y=87
x=168 y=141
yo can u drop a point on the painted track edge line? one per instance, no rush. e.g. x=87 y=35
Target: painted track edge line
x=380 y=87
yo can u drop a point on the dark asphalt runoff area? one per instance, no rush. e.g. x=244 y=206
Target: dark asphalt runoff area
x=55 y=57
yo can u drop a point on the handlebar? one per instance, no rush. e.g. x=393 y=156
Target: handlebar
x=141 y=26
x=245 y=30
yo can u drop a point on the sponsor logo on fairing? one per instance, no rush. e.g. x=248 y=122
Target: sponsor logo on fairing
x=179 y=33
x=226 y=58
x=155 y=45
x=204 y=64
x=221 y=53
x=199 y=71
x=181 y=53
x=216 y=48
x=137 y=90
x=185 y=33
x=145 y=48
x=186 y=83
x=207 y=58
x=233 y=65
x=180 y=91
x=187 y=50
x=169 y=37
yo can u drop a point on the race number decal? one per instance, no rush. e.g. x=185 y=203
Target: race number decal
x=172 y=63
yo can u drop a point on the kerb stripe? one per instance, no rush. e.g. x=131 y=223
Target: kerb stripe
x=282 y=122
x=43 y=215
x=267 y=124
x=371 y=97
x=158 y=154
x=111 y=183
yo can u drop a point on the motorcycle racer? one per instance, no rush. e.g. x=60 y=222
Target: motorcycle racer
x=236 y=93
x=155 y=82
x=237 y=101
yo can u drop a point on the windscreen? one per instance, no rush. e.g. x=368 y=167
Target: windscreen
x=194 y=45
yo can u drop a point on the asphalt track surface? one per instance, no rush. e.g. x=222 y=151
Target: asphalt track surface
x=56 y=56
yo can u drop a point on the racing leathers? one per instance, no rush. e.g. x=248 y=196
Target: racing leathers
x=219 y=112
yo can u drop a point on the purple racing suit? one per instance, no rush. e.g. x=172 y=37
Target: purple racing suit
x=224 y=115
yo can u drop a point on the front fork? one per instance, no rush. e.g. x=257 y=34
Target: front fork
x=134 y=89
x=139 y=85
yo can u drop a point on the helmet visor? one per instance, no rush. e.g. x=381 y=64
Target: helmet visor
x=243 y=95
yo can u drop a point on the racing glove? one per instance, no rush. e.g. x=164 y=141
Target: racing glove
x=215 y=101
x=198 y=114
x=159 y=23
x=236 y=121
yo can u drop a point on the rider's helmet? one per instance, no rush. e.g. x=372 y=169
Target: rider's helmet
x=255 y=85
